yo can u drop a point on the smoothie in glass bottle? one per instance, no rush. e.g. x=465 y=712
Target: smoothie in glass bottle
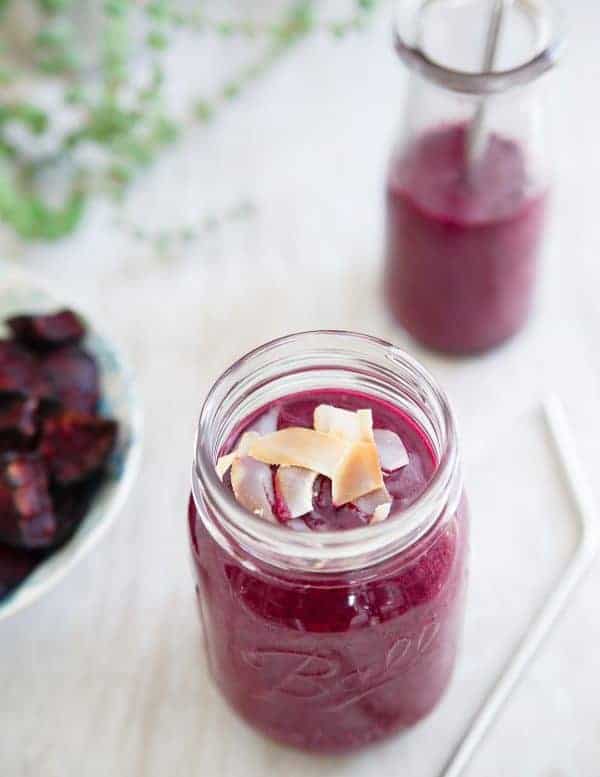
x=464 y=230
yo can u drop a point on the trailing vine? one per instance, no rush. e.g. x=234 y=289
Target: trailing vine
x=126 y=123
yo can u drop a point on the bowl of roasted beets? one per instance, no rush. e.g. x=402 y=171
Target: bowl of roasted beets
x=70 y=436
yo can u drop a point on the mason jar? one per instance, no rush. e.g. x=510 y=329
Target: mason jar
x=469 y=177
x=329 y=640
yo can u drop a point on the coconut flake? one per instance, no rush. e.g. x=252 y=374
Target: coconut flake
x=365 y=421
x=252 y=483
x=266 y=423
x=246 y=441
x=377 y=504
x=297 y=524
x=351 y=426
x=295 y=487
x=381 y=513
x=225 y=462
x=370 y=502
x=300 y=447
x=358 y=474
x=392 y=453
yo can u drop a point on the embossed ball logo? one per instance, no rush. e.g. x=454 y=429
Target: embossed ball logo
x=336 y=678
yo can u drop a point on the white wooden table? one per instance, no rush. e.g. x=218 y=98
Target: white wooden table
x=105 y=675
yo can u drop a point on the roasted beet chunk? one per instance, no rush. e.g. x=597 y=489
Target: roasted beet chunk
x=76 y=445
x=15 y=565
x=73 y=378
x=26 y=516
x=18 y=368
x=47 y=331
x=18 y=421
x=71 y=503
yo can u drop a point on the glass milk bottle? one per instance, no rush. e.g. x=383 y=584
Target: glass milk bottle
x=469 y=178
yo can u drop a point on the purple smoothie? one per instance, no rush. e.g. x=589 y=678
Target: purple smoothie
x=333 y=661
x=462 y=246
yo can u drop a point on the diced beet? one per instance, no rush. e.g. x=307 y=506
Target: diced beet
x=48 y=406
x=15 y=565
x=18 y=368
x=72 y=375
x=26 y=515
x=76 y=445
x=18 y=421
x=71 y=503
x=47 y=331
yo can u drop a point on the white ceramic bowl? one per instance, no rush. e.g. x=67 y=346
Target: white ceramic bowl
x=20 y=293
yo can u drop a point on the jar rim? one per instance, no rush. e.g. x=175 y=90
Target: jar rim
x=322 y=551
x=487 y=82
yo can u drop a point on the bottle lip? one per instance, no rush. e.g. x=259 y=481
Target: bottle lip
x=551 y=31
x=237 y=529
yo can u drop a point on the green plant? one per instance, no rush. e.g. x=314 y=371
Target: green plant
x=128 y=123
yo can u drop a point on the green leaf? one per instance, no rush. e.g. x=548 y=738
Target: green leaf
x=157 y=40
x=54 y=6
x=32 y=219
x=165 y=131
x=117 y=9
x=225 y=28
x=33 y=118
x=159 y=10
x=74 y=95
x=231 y=90
x=120 y=173
x=204 y=111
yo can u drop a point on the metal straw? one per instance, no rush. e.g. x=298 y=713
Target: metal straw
x=588 y=526
x=476 y=132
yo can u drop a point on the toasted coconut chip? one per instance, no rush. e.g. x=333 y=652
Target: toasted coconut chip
x=252 y=483
x=365 y=420
x=246 y=441
x=297 y=524
x=381 y=513
x=352 y=426
x=300 y=447
x=295 y=487
x=224 y=462
x=369 y=503
x=392 y=453
x=266 y=423
x=358 y=474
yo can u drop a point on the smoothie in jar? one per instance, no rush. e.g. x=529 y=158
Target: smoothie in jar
x=330 y=560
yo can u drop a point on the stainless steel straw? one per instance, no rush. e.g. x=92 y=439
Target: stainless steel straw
x=587 y=546
x=476 y=139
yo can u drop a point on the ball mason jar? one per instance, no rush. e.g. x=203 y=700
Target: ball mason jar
x=329 y=640
x=469 y=177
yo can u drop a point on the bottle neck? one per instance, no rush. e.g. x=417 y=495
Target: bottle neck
x=435 y=39
x=313 y=361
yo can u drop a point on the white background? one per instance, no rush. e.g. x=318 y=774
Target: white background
x=105 y=675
